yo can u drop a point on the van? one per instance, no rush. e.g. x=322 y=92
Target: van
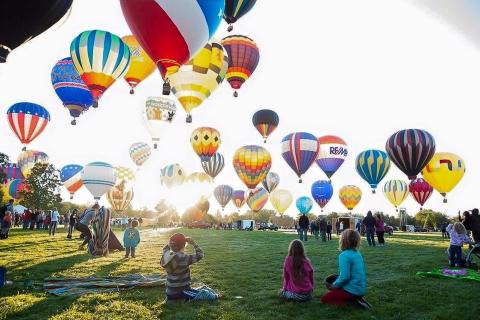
x=409 y=228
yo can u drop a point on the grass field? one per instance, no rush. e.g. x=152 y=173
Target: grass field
x=245 y=267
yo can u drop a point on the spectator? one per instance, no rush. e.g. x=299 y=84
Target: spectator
x=380 y=229
x=72 y=220
x=40 y=218
x=329 y=231
x=6 y=224
x=369 y=223
x=337 y=227
x=323 y=229
x=84 y=224
x=47 y=220
x=303 y=223
x=54 y=217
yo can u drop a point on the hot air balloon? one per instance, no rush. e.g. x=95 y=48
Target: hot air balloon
x=124 y=175
x=171 y=32
x=243 y=56
x=214 y=165
x=304 y=205
x=299 y=150
x=396 y=191
x=372 y=166
x=21 y=21
x=71 y=177
x=252 y=164
x=239 y=198
x=411 y=150
x=322 y=192
x=119 y=198
x=141 y=66
x=15 y=187
x=223 y=193
x=70 y=88
x=98 y=178
x=257 y=199
x=198 y=185
x=172 y=175
x=198 y=177
x=100 y=57
x=196 y=80
x=271 y=181
x=11 y=171
x=281 y=200
x=205 y=142
x=27 y=120
x=350 y=196
x=235 y=9
x=443 y=172
x=420 y=190
x=332 y=154
x=140 y=152
x=266 y=121
x=28 y=159
x=159 y=112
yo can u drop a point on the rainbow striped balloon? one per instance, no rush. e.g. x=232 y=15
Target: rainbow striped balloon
x=252 y=164
x=257 y=199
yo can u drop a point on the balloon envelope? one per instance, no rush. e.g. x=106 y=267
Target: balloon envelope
x=140 y=152
x=281 y=200
x=239 y=197
x=372 y=166
x=141 y=66
x=11 y=171
x=98 y=178
x=299 y=150
x=252 y=164
x=322 y=192
x=350 y=196
x=235 y=9
x=396 y=191
x=28 y=159
x=159 y=113
x=214 y=165
x=420 y=190
x=205 y=142
x=172 y=175
x=271 y=181
x=304 y=205
x=265 y=121
x=27 y=120
x=119 y=198
x=71 y=177
x=223 y=193
x=332 y=154
x=257 y=199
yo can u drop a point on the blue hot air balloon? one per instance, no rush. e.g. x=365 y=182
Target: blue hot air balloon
x=70 y=88
x=372 y=166
x=71 y=177
x=322 y=192
x=300 y=150
x=304 y=205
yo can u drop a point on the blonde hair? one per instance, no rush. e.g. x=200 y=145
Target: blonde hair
x=349 y=239
x=459 y=228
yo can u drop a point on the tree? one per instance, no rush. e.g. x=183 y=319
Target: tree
x=69 y=206
x=431 y=219
x=42 y=188
x=4 y=160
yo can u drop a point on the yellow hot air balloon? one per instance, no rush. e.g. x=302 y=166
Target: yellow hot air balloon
x=196 y=80
x=281 y=199
x=396 y=191
x=119 y=198
x=141 y=66
x=252 y=164
x=125 y=175
x=350 y=196
x=205 y=142
x=444 y=172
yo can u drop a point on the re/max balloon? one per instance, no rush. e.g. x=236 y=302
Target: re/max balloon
x=333 y=152
x=322 y=192
x=304 y=205
x=372 y=166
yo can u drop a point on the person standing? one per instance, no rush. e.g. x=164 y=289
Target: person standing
x=72 y=220
x=358 y=226
x=369 y=223
x=314 y=229
x=84 y=225
x=323 y=229
x=47 y=220
x=131 y=238
x=337 y=227
x=39 y=218
x=329 y=231
x=475 y=225
x=303 y=224
x=54 y=217
x=380 y=229
x=6 y=224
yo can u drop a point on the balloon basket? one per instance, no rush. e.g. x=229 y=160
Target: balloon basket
x=300 y=181
x=374 y=191
x=230 y=28
x=188 y=119
x=235 y=94
x=73 y=122
x=166 y=89
x=155 y=146
x=95 y=104
x=132 y=91
x=265 y=141
x=445 y=200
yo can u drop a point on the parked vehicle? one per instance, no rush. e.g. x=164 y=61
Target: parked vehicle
x=246 y=225
x=389 y=230
x=267 y=226
x=409 y=228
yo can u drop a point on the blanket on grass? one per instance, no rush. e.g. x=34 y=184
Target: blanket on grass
x=453 y=273
x=80 y=286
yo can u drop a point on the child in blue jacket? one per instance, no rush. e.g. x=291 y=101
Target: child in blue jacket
x=131 y=238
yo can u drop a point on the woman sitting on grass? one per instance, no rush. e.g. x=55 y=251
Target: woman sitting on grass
x=350 y=285
x=297 y=274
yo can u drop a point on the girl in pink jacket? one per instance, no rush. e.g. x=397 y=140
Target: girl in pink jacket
x=298 y=282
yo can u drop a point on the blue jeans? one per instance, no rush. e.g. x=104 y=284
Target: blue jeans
x=455 y=253
x=370 y=236
x=303 y=234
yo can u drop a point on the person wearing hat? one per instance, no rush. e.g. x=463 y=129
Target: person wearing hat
x=177 y=265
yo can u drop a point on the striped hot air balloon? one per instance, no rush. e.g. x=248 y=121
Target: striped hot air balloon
x=171 y=32
x=139 y=153
x=332 y=154
x=70 y=88
x=372 y=166
x=257 y=199
x=281 y=200
x=100 y=57
x=28 y=159
x=239 y=197
x=11 y=171
x=271 y=181
x=322 y=192
x=252 y=164
x=350 y=196
x=71 y=177
x=420 y=190
x=235 y=9
x=214 y=165
x=98 y=178
x=27 y=120
x=265 y=121
x=396 y=191
x=205 y=142
x=299 y=150
x=196 y=80
x=243 y=56
x=15 y=187
x=411 y=150
x=223 y=193
x=119 y=199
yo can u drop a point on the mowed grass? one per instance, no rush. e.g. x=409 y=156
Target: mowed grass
x=245 y=267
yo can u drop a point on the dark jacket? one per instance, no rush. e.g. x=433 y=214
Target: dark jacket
x=369 y=221
x=323 y=225
x=303 y=222
x=329 y=228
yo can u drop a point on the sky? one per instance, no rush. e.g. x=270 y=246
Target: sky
x=361 y=70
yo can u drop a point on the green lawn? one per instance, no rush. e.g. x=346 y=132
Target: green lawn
x=245 y=267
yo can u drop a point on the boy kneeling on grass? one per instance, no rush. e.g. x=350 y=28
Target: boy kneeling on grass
x=350 y=286
x=177 y=265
